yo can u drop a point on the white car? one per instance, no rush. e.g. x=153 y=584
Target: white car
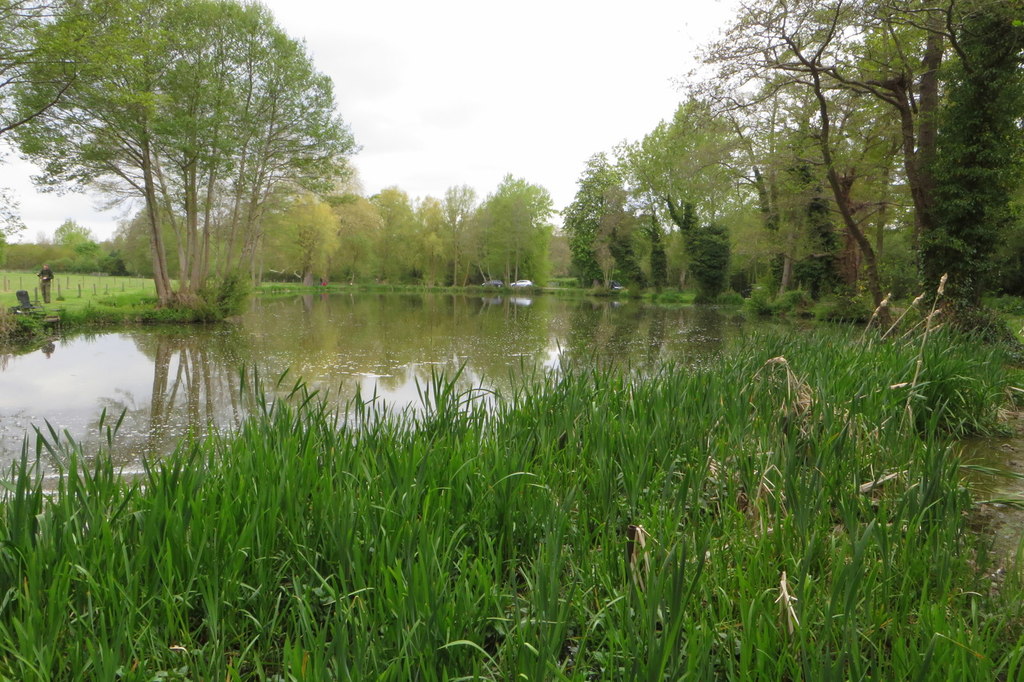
x=521 y=284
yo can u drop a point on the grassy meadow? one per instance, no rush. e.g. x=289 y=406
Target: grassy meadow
x=71 y=291
x=794 y=510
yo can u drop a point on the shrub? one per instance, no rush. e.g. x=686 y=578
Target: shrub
x=225 y=297
x=845 y=308
x=795 y=301
x=760 y=301
x=731 y=298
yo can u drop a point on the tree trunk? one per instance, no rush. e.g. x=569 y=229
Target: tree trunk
x=160 y=276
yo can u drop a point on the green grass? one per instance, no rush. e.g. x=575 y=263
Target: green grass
x=480 y=539
x=71 y=291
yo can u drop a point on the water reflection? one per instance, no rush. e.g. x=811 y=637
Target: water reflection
x=172 y=382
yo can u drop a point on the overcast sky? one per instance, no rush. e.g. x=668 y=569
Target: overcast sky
x=451 y=92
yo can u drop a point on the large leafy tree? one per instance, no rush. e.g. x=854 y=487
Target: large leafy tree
x=399 y=230
x=305 y=236
x=980 y=159
x=583 y=218
x=172 y=105
x=517 y=228
x=458 y=210
x=683 y=174
x=20 y=53
x=359 y=227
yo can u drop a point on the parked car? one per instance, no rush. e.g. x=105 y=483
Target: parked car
x=493 y=283
x=521 y=284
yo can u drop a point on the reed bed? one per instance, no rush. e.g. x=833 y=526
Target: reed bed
x=792 y=511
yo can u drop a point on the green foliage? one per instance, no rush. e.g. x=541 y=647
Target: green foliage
x=71 y=234
x=312 y=544
x=213 y=94
x=898 y=269
x=980 y=160
x=731 y=298
x=760 y=301
x=225 y=297
x=794 y=302
x=708 y=249
x=515 y=221
x=582 y=218
x=845 y=307
x=604 y=234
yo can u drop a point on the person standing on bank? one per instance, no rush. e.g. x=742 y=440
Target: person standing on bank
x=45 y=277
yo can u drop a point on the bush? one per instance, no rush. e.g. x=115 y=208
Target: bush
x=760 y=301
x=225 y=297
x=845 y=308
x=731 y=298
x=797 y=301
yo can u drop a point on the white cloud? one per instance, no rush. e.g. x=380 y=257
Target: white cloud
x=457 y=92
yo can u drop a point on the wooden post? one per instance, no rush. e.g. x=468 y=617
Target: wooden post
x=79 y=290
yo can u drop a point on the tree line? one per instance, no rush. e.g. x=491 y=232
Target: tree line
x=215 y=122
x=838 y=147
x=846 y=149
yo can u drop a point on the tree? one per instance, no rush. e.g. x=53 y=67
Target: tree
x=819 y=48
x=304 y=237
x=10 y=221
x=459 y=209
x=979 y=163
x=434 y=240
x=72 y=234
x=582 y=219
x=398 y=232
x=517 y=230
x=682 y=165
x=170 y=101
x=20 y=21
x=359 y=226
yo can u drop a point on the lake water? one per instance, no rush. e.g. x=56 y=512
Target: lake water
x=172 y=381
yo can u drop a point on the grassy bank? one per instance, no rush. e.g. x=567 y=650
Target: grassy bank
x=71 y=290
x=89 y=302
x=793 y=511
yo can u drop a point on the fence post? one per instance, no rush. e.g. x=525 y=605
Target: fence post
x=79 y=290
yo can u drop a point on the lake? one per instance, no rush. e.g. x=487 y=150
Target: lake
x=169 y=382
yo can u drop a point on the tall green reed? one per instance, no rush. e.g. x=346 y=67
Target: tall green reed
x=797 y=522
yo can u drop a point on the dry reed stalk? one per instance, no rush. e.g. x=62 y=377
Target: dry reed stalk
x=638 y=563
x=785 y=602
x=880 y=313
x=866 y=488
x=913 y=304
x=799 y=396
x=924 y=340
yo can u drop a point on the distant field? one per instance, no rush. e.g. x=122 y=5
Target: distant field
x=69 y=287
